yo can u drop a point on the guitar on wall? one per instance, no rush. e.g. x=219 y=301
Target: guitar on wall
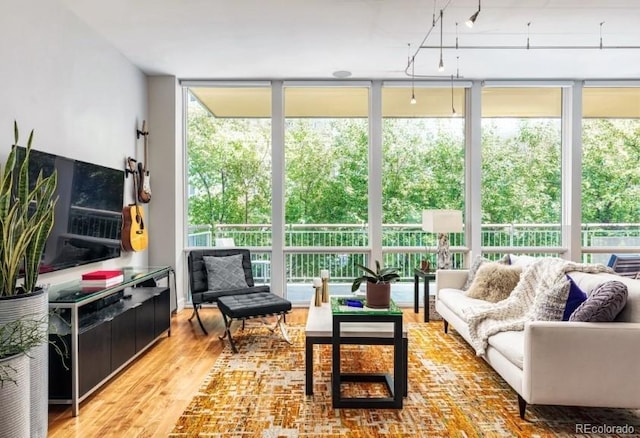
x=134 y=231
x=144 y=192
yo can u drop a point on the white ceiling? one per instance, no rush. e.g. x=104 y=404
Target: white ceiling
x=300 y=39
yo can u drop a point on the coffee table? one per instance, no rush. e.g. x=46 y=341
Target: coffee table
x=319 y=330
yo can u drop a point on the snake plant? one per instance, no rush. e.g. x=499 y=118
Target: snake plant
x=26 y=219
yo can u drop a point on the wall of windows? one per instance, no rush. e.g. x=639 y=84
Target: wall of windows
x=325 y=175
x=521 y=185
x=422 y=168
x=610 y=176
x=228 y=136
x=326 y=150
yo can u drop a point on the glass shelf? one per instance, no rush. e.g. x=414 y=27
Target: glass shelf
x=72 y=292
x=339 y=307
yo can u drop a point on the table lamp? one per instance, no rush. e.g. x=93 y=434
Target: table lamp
x=442 y=222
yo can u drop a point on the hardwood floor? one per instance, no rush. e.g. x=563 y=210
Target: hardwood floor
x=147 y=398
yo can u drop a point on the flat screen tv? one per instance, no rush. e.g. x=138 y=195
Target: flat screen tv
x=88 y=213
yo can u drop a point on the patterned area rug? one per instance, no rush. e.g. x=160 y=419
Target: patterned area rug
x=260 y=392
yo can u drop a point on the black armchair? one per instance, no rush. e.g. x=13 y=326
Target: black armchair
x=198 y=280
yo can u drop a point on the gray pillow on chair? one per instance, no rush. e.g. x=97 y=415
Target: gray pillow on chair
x=224 y=273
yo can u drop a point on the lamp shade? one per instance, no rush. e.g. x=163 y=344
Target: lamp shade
x=442 y=221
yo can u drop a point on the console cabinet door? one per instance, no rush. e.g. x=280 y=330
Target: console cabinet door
x=162 y=309
x=123 y=340
x=145 y=320
x=94 y=356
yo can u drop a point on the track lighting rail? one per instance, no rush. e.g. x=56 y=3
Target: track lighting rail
x=525 y=47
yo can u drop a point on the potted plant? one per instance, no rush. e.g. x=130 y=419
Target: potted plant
x=378 y=284
x=26 y=219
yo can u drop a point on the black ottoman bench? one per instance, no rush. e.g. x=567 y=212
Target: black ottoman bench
x=256 y=305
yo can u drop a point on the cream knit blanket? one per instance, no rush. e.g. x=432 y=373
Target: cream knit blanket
x=541 y=294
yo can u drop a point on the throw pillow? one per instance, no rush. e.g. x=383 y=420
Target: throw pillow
x=575 y=298
x=604 y=303
x=479 y=261
x=224 y=273
x=522 y=260
x=494 y=281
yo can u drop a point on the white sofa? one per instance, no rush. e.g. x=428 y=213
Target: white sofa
x=559 y=362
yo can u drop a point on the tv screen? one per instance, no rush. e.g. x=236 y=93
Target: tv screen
x=88 y=214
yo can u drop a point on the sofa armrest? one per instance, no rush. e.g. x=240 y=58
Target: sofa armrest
x=450 y=279
x=581 y=363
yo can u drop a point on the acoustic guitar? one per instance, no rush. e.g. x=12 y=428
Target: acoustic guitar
x=134 y=231
x=144 y=192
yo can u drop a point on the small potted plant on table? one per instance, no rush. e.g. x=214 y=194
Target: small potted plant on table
x=378 y=284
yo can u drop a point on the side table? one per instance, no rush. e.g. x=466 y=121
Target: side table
x=396 y=386
x=428 y=276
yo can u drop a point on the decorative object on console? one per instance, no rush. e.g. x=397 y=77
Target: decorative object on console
x=101 y=275
x=324 y=275
x=102 y=278
x=378 y=284
x=26 y=219
x=442 y=222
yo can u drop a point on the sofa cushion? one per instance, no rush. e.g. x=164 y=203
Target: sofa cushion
x=522 y=260
x=575 y=298
x=224 y=273
x=604 y=303
x=494 y=282
x=511 y=345
x=457 y=301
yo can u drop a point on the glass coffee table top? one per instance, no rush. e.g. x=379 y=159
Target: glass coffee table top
x=340 y=306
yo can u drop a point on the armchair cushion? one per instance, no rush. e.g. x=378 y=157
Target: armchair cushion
x=212 y=296
x=224 y=273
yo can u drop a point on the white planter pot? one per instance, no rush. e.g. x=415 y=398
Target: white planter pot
x=15 y=397
x=33 y=306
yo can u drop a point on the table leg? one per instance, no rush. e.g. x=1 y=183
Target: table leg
x=426 y=299
x=399 y=376
x=335 y=365
x=416 y=285
x=405 y=360
x=308 y=368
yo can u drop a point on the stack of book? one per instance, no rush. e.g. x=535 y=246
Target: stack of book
x=101 y=279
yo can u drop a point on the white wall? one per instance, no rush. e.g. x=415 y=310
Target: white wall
x=167 y=204
x=83 y=98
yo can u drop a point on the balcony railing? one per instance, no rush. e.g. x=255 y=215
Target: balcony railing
x=404 y=245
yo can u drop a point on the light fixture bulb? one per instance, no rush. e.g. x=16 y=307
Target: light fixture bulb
x=413 y=99
x=441 y=65
x=470 y=22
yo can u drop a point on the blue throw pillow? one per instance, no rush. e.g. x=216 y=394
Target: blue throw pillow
x=575 y=298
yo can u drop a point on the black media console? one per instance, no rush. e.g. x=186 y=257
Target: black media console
x=103 y=331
